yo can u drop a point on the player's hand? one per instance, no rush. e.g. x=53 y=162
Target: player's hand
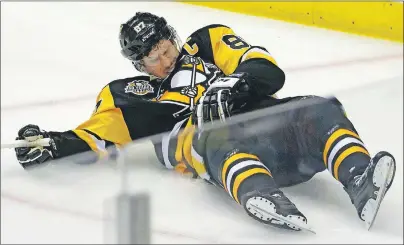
x=31 y=156
x=190 y=92
x=220 y=99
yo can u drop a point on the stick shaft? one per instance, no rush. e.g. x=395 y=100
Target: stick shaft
x=24 y=143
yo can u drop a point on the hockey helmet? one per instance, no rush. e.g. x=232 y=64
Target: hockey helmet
x=140 y=34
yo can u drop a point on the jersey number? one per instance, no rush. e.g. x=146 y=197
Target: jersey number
x=97 y=106
x=234 y=42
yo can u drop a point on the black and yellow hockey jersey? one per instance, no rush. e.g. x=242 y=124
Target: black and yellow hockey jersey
x=219 y=45
x=132 y=108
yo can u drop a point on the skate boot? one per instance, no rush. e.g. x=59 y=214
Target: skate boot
x=271 y=206
x=367 y=190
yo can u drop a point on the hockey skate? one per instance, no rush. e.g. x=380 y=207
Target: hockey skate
x=367 y=190
x=275 y=209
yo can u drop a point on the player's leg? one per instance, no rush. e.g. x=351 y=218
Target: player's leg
x=233 y=164
x=347 y=158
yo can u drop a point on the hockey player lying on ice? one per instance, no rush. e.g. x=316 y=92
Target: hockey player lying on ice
x=216 y=74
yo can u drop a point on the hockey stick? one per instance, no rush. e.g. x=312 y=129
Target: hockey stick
x=25 y=143
x=194 y=62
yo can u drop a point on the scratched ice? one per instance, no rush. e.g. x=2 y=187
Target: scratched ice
x=53 y=68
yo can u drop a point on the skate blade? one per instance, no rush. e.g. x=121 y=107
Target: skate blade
x=303 y=227
x=372 y=206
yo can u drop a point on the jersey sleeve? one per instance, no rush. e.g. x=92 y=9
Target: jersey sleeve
x=99 y=135
x=220 y=45
x=106 y=126
x=125 y=110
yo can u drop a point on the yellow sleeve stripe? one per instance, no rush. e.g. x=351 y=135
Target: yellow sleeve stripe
x=107 y=121
x=107 y=100
x=332 y=139
x=108 y=125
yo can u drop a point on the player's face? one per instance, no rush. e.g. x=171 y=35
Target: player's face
x=161 y=60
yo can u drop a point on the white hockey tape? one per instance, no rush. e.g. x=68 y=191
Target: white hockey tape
x=24 y=143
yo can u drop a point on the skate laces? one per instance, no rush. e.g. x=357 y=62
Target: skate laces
x=358 y=179
x=276 y=193
x=280 y=196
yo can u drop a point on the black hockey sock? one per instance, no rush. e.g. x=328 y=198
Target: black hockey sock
x=345 y=154
x=242 y=173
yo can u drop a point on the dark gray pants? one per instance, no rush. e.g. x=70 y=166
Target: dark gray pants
x=290 y=143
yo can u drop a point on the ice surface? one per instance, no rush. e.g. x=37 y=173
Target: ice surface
x=57 y=56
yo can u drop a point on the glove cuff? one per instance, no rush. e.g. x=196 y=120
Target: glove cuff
x=54 y=146
x=242 y=85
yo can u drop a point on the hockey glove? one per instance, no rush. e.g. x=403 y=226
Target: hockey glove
x=32 y=156
x=221 y=99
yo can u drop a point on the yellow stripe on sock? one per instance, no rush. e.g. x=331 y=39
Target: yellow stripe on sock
x=332 y=139
x=344 y=155
x=243 y=176
x=232 y=159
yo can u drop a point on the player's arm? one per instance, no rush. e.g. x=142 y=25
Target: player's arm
x=106 y=127
x=61 y=144
x=232 y=54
